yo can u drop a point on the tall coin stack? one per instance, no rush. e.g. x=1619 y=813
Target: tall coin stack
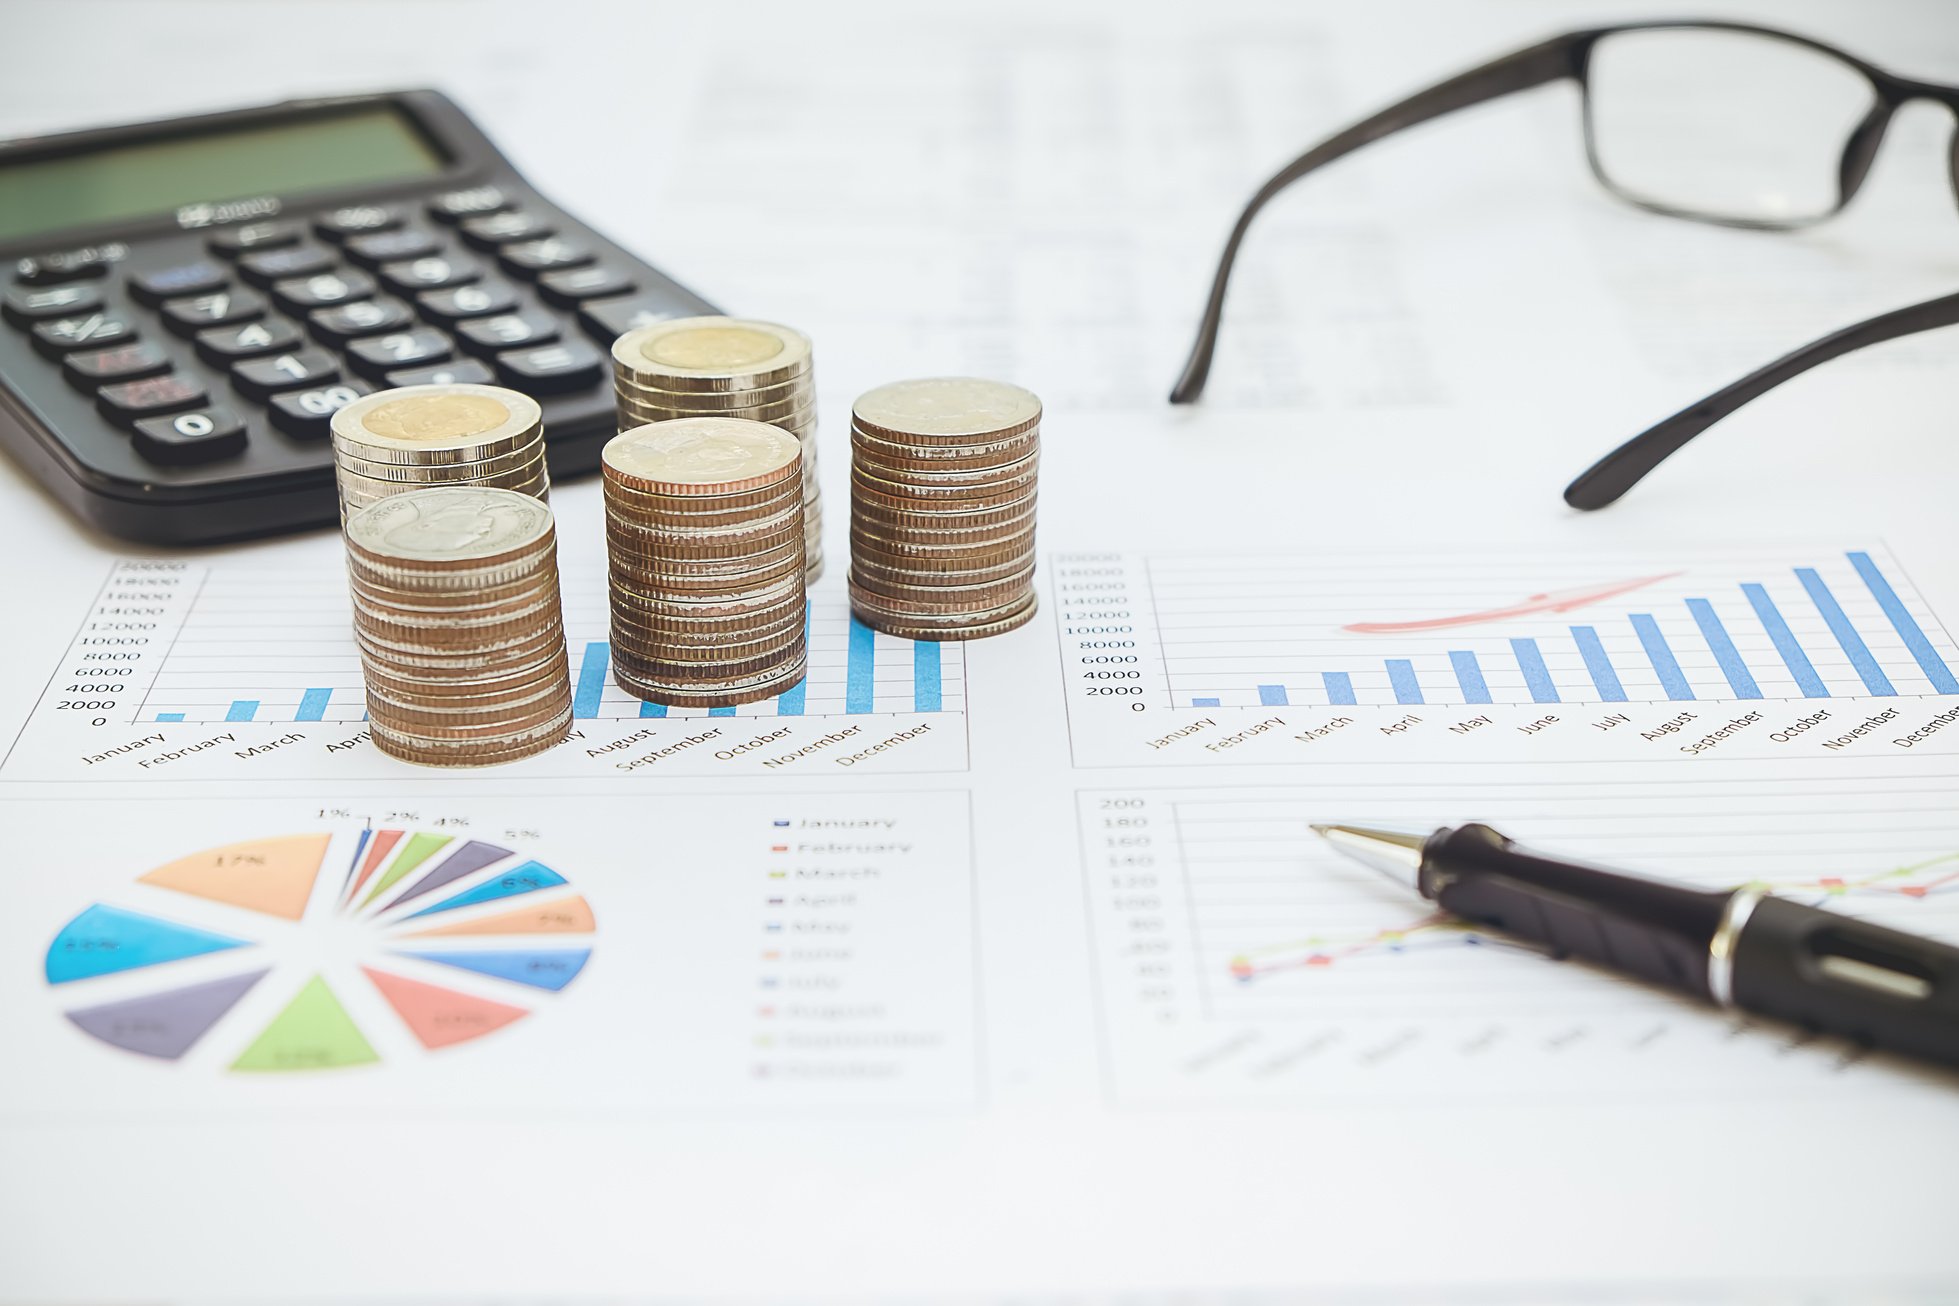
x=704 y=533
x=422 y=435
x=461 y=637
x=726 y=367
x=942 y=482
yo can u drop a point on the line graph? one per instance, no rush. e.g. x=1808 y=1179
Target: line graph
x=1228 y=938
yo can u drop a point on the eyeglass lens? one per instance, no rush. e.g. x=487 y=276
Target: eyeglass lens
x=1727 y=125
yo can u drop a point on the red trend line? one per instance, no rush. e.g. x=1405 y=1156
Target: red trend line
x=1554 y=601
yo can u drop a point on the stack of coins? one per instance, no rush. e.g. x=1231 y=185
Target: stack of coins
x=704 y=532
x=726 y=367
x=423 y=435
x=942 y=481
x=456 y=613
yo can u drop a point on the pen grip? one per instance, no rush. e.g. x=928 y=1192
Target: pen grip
x=1646 y=928
x=1849 y=978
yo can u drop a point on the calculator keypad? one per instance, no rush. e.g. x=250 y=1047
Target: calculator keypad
x=301 y=315
x=93 y=368
x=261 y=378
x=223 y=346
x=221 y=308
x=66 y=334
x=200 y=436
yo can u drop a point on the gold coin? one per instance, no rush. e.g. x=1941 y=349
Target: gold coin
x=703 y=455
x=947 y=408
x=713 y=349
x=411 y=421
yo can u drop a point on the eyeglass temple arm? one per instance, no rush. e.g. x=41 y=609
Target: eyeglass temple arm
x=1519 y=70
x=1611 y=476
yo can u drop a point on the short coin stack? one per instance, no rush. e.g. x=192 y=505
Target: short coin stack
x=461 y=636
x=423 y=435
x=704 y=532
x=942 y=482
x=726 y=367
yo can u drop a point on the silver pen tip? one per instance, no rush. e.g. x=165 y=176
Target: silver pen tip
x=1395 y=853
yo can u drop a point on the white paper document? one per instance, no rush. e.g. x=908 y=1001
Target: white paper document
x=1011 y=970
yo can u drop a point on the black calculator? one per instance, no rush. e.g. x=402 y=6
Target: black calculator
x=188 y=302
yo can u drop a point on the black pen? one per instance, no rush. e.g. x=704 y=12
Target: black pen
x=1738 y=948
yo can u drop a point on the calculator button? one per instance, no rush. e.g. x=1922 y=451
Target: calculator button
x=355 y=220
x=480 y=300
x=67 y=334
x=489 y=335
x=69 y=264
x=198 y=278
x=464 y=371
x=608 y=319
x=129 y=401
x=302 y=295
x=535 y=256
x=92 y=368
x=308 y=414
x=223 y=346
x=368 y=317
x=230 y=242
x=261 y=378
x=270 y=265
x=26 y=305
x=506 y=229
x=575 y=285
x=371 y=251
x=195 y=437
x=569 y=366
x=221 y=308
x=433 y=273
x=376 y=356
x=460 y=204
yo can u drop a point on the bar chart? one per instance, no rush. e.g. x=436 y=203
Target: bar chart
x=251 y=660
x=1149 y=636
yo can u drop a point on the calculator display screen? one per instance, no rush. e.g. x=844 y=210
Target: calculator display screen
x=157 y=176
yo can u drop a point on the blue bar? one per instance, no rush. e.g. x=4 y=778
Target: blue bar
x=791 y=700
x=647 y=709
x=1339 y=688
x=1921 y=648
x=720 y=711
x=1273 y=696
x=1537 y=676
x=1469 y=674
x=859 y=679
x=1401 y=674
x=242 y=709
x=1853 y=644
x=591 y=680
x=312 y=704
x=1204 y=702
x=1672 y=679
x=1726 y=655
x=1605 y=678
x=926 y=691
x=170 y=716
x=1792 y=653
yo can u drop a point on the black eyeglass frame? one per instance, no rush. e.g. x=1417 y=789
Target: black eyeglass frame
x=1569 y=56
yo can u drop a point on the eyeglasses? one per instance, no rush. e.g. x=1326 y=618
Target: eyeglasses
x=1726 y=123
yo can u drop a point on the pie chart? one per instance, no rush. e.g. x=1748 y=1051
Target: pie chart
x=254 y=948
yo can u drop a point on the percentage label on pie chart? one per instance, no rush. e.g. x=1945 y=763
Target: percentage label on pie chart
x=322 y=951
